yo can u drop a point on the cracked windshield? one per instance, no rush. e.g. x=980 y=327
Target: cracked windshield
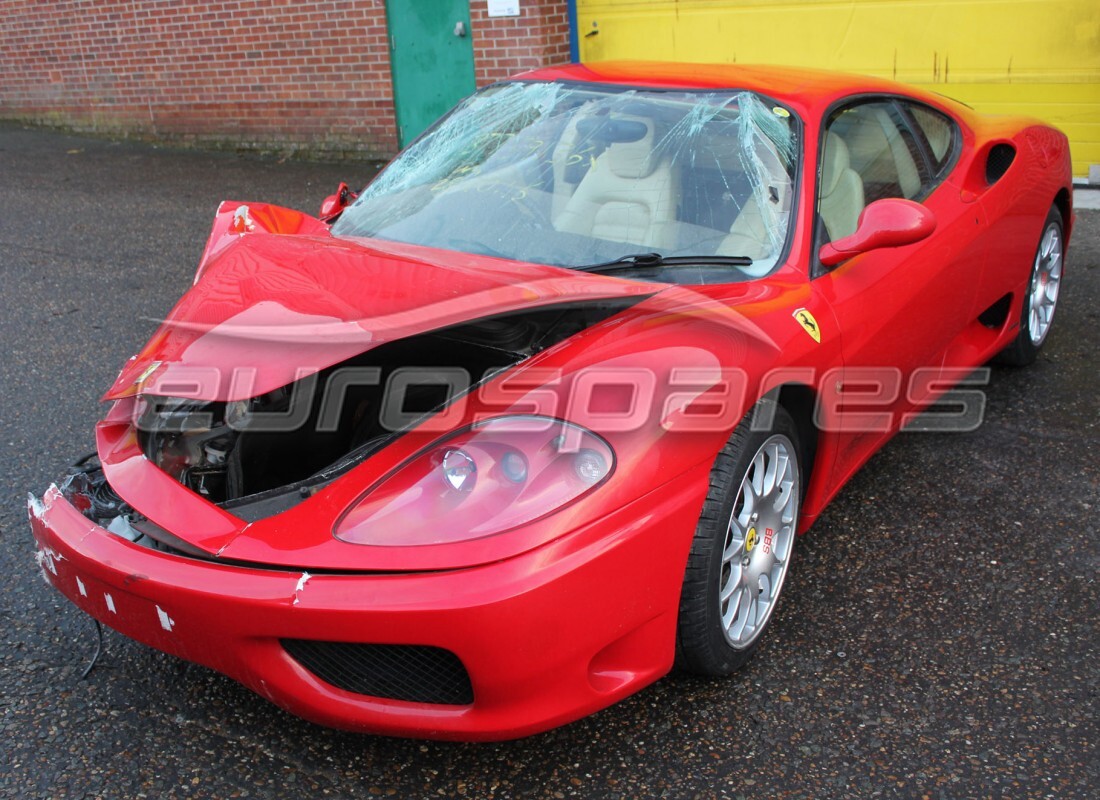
x=574 y=176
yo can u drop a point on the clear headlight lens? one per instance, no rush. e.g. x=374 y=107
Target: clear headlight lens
x=480 y=481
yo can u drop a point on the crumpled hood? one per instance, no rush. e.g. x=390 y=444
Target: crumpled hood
x=271 y=308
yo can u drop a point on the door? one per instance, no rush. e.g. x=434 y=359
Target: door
x=431 y=60
x=899 y=308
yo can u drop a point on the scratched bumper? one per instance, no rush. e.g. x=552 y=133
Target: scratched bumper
x=544 y=639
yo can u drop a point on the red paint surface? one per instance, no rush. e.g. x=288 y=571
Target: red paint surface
x=548 y=617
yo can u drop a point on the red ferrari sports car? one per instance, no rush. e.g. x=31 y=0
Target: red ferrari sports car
x=538 y=415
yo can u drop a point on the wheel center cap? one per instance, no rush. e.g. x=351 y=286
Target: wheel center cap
x=750 y=540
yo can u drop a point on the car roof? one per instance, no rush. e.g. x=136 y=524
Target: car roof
x=808 y=91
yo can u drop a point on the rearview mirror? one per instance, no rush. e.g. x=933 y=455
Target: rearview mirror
x=891 y=222
x=333 y=205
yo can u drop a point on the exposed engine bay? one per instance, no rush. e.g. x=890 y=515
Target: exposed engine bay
x=261 y=456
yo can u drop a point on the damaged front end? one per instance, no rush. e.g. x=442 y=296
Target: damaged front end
x=358 y=442
x=257 y=457
x=296 y=356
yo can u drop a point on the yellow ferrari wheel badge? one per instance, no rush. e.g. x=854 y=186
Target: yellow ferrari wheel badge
x=809 y=324
x=750 y=540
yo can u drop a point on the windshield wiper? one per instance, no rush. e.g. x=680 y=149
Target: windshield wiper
x=654 y=260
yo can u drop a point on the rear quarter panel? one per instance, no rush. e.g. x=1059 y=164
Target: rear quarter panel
x=1015 y=206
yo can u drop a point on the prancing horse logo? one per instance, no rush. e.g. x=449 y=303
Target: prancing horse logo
x=808 y=323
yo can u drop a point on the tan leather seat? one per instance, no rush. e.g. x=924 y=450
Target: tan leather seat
x=628 y=195
x=840 y=195
x=762 y=221
x=876 y=150
x=937 y=129
x=749 y=234
x=565 y=152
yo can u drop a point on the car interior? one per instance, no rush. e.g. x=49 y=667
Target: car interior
x=620 y=178
x=630 y=192
x=600 y=178
x=840 y=191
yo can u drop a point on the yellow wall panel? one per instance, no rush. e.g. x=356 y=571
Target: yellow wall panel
x=1036 y=57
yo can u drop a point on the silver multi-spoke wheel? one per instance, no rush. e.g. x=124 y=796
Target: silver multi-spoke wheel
x=743 y=545
x=1041 y=300
x=759 y=540
x=1046 y=276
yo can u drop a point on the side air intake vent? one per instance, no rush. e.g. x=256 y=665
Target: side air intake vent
x=1000 y=159
x=994 y=317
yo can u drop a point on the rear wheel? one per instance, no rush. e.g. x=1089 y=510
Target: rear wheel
x=742 y=548
x=1041 y=299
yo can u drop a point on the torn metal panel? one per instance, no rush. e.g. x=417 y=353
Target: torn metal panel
x=259 y=457
x=35 y=506
x=166 y=621
x=272 y=310
x=44 y=559
x=298 y=587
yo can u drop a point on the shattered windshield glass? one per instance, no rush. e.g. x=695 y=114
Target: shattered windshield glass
x=573 y=175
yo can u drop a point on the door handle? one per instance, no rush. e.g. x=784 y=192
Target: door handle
x=460 y=28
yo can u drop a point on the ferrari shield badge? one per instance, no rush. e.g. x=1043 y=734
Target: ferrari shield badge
x=809 y=324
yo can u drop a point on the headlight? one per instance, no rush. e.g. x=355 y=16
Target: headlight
x=480 y=481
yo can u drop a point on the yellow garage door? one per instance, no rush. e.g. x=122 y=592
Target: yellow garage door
x=1036 y=57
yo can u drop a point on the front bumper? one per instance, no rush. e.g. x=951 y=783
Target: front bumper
x=546 y=637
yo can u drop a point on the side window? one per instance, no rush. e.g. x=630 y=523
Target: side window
x=939 y=130
x=881 y=150
x=869 y=152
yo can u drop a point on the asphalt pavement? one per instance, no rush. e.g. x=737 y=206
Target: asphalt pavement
x=938 y=636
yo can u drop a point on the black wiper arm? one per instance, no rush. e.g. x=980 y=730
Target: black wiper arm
x=653 y=260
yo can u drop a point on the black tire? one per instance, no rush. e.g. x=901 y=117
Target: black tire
x=1024 y=348
x=703 y=646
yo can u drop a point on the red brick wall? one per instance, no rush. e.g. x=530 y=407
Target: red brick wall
x=503 y=46
x=273 y=74
x=266 y=73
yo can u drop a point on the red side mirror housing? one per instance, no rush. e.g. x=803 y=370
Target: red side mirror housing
x=333 y=205
x=890 y=222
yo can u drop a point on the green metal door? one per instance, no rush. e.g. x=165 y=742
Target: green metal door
x=432 y=60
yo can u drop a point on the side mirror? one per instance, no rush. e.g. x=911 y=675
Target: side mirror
x=891 y=222
x=333 y=205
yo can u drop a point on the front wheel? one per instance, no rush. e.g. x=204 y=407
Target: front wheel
x=1041 y=299
x=742 y=549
